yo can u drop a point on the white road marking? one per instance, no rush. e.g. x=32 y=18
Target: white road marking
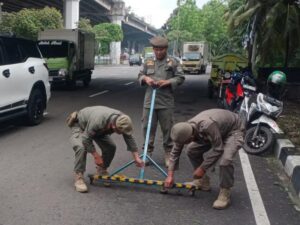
x=128 y=83
x=99 y=93
x=258 y=207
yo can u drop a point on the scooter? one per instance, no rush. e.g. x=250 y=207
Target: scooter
x=259 y=112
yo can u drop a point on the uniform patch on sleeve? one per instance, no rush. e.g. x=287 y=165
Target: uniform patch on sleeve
x=170 y=62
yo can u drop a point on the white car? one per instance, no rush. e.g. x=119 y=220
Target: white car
x=24 y=82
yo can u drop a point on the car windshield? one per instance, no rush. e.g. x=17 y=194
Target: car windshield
x=53 y=49
x=191 y=56
x=134 y=57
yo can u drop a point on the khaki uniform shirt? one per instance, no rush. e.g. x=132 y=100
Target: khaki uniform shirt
x=214 y=125
x=166 y=69
x=94 y=120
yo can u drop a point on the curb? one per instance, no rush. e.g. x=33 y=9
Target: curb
x=289 y=157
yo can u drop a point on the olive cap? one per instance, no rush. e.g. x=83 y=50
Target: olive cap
x=124 y=124
x=181 y=132
x=159 y=41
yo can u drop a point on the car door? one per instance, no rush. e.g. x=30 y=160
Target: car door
x=17 y=76
x=5 y=83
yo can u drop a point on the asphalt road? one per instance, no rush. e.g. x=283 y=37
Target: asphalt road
x=36 y=180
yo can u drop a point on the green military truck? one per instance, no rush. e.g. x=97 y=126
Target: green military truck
x=69 y=54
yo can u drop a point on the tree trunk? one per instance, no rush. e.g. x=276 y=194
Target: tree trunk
x=253 y=56
x=287 y=46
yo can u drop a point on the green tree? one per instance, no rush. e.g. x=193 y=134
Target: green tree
x=85 y=24
x=189 y=23
x=273 y=30
x=183 y=25
x=105 y=34
x=8 y=20
x=28 y=22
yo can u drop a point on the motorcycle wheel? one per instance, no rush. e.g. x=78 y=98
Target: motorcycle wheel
x=261 y=143
x=220 y=103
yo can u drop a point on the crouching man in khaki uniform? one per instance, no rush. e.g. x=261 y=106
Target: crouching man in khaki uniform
x=97 y=123
x=218 y=132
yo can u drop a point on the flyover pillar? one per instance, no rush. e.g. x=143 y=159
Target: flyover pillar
x=71 y=13
x=117 y=15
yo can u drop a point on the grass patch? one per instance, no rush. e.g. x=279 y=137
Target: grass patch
x=289 y=121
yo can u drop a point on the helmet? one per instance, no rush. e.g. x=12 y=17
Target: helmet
x=236 y=77
x=276 y=84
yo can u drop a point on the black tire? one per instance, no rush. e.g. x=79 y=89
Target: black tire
x=261 y=144
x=87 y=81
x=35 y=107
x=220 y=103
x=71 y=84
x=210 y=89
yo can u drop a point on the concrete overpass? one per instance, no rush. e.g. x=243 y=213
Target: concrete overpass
x=136 y=32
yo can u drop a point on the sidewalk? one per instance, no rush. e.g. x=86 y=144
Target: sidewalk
x=287 y=149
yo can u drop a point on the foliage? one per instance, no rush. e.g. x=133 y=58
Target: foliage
x=28 y=22
x=189 y=23
x=272 y=30
x=85 y=24
x=107 y=33
x=8 y=20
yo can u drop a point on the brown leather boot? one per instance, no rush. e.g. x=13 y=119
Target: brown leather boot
x=79 y=184
x=202 y=183
x=223 y=199
x=100 y=171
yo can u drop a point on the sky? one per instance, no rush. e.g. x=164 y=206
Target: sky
x=155 y=12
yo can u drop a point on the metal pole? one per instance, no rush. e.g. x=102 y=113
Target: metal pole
x=148 y=132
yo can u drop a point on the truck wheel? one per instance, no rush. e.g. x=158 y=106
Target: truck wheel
x=71 y=84
x=87 y=81
x=35 y=107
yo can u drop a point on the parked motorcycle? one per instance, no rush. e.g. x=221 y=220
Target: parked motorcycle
x=259 y=113
x=225 y=80
x=234 y=93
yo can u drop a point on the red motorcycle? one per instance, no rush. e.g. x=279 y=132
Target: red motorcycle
x=224 y=82
x=234 y=93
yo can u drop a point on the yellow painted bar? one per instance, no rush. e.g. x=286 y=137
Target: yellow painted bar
x=141 y=181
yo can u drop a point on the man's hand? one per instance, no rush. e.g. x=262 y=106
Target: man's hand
x=137 y=159
x=149 y=81
x=169 y=181
x=97 y=158
x=198 y=173
x=163 y=83
x=139 y=162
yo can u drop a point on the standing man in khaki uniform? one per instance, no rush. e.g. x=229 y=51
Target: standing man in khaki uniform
x=97 y=123
x=165 y=74
x=218 y=132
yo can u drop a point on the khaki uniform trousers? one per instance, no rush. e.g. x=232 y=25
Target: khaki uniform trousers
x=165 y=119
x=105 y=143
x=232 y=144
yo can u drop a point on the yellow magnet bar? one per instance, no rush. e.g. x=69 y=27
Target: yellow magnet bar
x=122 y=178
